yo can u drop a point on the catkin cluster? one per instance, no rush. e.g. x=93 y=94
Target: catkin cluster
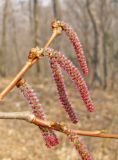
x=59 y=61
x=38 y=110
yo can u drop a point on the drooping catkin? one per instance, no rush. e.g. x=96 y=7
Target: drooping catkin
x=63 y=96
x=77 y=46
x=80 y=147
x=75 y=76
x=37 y=109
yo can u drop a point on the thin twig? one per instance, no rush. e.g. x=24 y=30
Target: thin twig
x=62 y=128
x=15 y=80
x=29 y=117
x=28 y=65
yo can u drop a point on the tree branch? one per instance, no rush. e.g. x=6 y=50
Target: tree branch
x=17 y=115
x=29 y=117
x=29 y=63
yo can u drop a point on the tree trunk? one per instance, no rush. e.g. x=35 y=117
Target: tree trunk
x=95 y=60
x=103 y=20
x=56 y=9
x=31 y=20
x=57 y=16
x=36 y=10
x=14 y=38
x=3 y=50
x=104 y=62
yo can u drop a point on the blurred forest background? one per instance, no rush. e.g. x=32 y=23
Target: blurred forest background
x=25 y=24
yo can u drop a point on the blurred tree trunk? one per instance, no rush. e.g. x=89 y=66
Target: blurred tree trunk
x=95 y=60
x=104 y=26
x=56 y=9
x=36 y=17
x=56 y=5
x=103 y=20
x=14 y=39
x=104 y=61
x=31 y=21
x=3 y=50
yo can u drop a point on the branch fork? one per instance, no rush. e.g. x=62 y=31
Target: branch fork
x=35 y=53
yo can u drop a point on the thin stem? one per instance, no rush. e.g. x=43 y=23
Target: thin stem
x=62 y=128
x=15 y=80
x=99 y=134
x=51 y=39
x=29 y=117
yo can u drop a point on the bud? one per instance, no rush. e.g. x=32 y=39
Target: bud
x=63 y=96
x=80 y=147
x=37 y=109
x=77 y=46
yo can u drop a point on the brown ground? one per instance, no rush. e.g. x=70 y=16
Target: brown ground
x=20 y=140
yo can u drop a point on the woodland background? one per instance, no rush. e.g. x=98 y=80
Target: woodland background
x=25 y=24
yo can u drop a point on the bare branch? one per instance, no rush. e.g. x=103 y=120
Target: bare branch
x=62 y=128
x=17 y=115
x=28 y=65
x=29 y=117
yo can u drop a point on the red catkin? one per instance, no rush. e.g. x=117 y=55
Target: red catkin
x=75 y=76
x=80 y=147
x=63 y=96
x=37 y=109
x=77 y=46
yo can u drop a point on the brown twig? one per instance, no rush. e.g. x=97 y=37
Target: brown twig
x=36 y=55
x=15 y=80
x=29 y=117
x=62 y=128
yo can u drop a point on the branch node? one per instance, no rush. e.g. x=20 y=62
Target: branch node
x=103 y=131
x=20 y=82
x=57 y=27
x=35 y=53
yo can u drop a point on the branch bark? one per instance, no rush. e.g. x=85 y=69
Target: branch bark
x=29 y=117
x=17 y=115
